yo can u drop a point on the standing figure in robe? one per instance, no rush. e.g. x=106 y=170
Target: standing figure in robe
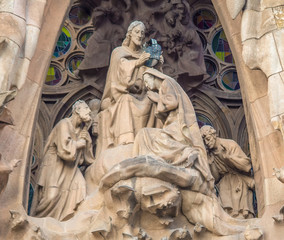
x=231 y=169
x=126 y=107
x=61 y=185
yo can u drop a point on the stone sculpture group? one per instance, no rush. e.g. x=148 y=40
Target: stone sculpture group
x=146 y=170
x=151 y=178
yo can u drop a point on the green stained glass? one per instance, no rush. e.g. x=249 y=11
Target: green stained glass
x=74 y=63
x=85 y=37
x=53 y=76
x=221 y=48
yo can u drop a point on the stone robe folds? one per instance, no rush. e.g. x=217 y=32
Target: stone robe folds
x=233 y=168
x=61 y=184
x=129 y=108
x=180 y=138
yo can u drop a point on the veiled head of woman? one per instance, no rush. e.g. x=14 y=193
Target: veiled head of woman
x=135 y=33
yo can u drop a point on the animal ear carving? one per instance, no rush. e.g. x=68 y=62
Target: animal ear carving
x=235 y=7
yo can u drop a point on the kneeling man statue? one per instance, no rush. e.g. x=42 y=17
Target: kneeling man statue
x=61 y=185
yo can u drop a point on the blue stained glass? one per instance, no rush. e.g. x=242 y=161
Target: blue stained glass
x=203 y=120
x=31 y=195
x=230 y=81
x=63 y=43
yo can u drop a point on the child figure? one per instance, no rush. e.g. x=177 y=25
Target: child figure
x=94 y=105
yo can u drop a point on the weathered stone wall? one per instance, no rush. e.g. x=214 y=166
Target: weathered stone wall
x=266 y=144
x=17 y=140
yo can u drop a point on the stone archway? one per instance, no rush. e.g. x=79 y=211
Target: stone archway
x=266 y=143
x=16 y=141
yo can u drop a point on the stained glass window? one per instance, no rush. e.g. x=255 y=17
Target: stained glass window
x=74 y=63
x=230 y=80
x=221 y=48
x=204 y=19
x=31 y=195
x=79 y=16
x=211 y=68
x=203 y=120
x=33 y=160
x=63 y=44
x=85 y=37
x=53 y=76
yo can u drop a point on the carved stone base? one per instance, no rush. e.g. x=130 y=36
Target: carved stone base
x=141 y=198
